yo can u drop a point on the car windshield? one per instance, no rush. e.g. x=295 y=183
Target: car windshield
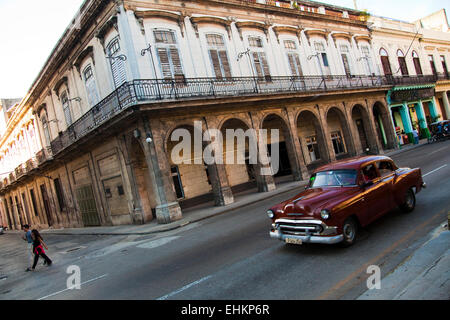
x=333 y=178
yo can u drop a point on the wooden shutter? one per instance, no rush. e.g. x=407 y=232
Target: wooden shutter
x=118 y=71
x=386 y=66
x=403 y=67
x=417 y=66
x=216 y=63
x=165 y=64
x=299 y=66
x=265 y=66
x=292 y=64
x=225 y=64
x=346 y=64
x=257 y=63
x=91 y=89
x=176 y=63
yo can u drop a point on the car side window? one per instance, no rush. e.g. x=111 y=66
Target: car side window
x=385 y=168
x=369 y=173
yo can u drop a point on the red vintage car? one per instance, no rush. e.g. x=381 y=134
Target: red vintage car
x=343 y=196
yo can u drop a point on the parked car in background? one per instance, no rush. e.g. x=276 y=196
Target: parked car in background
x=343 y=196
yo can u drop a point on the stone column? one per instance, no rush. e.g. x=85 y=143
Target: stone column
x=218 y=174
x=404 y=112
x=300 y=172
x=355 y=143
x=446 y=104
x=374 y=142
x=134 y=198
x=433 y=110
x=168 y=208
x=327 y=137
x=263 y=171
x=424 y=132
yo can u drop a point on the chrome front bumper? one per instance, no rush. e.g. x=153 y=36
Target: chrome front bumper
x=307 y=239
x=308 y=231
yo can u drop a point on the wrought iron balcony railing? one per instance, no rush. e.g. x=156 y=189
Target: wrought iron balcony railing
x=147 y=91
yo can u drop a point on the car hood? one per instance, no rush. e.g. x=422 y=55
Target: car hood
x=312 y=201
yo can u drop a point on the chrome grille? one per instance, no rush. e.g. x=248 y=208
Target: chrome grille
x=298 y=228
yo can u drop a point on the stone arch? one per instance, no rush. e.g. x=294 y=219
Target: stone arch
x=312 y=138
x=364 y=138
x=338 y=127
x=188 y=170
x=383 y=126
x=287 y=160
x=142 y=176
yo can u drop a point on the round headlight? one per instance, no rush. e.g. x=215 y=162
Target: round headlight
x=325 y=214
x=270 y=214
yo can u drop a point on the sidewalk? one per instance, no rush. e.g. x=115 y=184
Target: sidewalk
x=425 y=275
x=189 y=215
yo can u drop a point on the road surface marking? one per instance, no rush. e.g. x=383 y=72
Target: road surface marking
x=157 y=243
x=353 y=275
x=184 y=288
x=438 y=150
x=56 y=293
x=434 y=170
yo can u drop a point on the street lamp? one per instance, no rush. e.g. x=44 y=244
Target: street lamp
x=318 y=60
x=247 y=53
x=149 y=50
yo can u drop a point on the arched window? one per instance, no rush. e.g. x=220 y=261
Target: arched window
x=321 y=52
x=293 y=57
x=417 y=65
x=46 y=130
x=385 y=62
x=168 y=55
x=402 y=63
x=91 y=87
x=260 y=63
x=218 y=55
x=117 y=65
x=66 y=107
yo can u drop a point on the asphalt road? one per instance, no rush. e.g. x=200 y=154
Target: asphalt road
x=232 y=256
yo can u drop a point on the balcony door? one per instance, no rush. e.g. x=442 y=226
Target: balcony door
x=385 y=62
x=417 y=65
x=402 y=63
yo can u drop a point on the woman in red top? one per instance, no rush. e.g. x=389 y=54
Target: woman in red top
x=38 y=250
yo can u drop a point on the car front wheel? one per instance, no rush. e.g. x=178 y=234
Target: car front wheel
x=349 y=230
x=410 y=201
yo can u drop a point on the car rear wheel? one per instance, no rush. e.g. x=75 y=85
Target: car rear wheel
x=410 y=201
x=349 y=230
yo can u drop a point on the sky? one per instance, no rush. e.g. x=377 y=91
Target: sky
x=30 y=29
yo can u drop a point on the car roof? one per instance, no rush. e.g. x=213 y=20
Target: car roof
x=443 y=121
x=354 y=163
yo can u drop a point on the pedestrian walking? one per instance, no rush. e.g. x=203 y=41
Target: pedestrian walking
x=38 y=250
x=416 y=136
x=28 y=238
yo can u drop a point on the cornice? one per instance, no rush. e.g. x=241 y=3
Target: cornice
x=287 y=29
x=162 y=14
x=263 y=26
x=196 y=21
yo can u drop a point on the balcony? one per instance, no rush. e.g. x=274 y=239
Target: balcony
x=148 y=91
x=43 y=155
x=31 y=164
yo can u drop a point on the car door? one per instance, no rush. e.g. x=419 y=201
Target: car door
x=373 y=193
x=386 y=170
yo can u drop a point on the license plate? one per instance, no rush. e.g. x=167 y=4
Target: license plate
x=293 y=241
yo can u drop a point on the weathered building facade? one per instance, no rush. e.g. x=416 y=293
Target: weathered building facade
x=127 y=74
